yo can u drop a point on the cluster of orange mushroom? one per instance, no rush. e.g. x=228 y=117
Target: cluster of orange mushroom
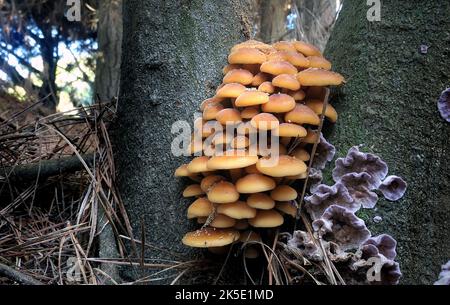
x=277 y=89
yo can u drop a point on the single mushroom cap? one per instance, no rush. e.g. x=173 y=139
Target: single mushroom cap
x=223 y=192
x=284 y=193
x=240 y=76
x=266 y=87
x=286 y=81
x=260 y=78
x=201 y=207
x=298 y=95
x=284 y=46
x=277 y=67
x=247 y=56
x=255 y=183
x=228 y=116
x=209 y=101
x=317 y=107
x=260 y=201
x=231 y=161
x=319 y=62
x=287 y=208
x=230 y=67
x=222 y=221
x=306 y=48
x=251 y=98
x=266 y=219
x=183 y=171
x=211 y=110
x=251 y=43
x=319 y=77
x=302 y=114
x=279 y=103
x=237 y=210
x=286 y=166
x=209 y=181
x=264 y=121
x=198 y=165
x=290 y=130
x=249 y=112
x=210 y=237
x=232 y=90
x=301 y=154
x=312 y=137
x=193 y=190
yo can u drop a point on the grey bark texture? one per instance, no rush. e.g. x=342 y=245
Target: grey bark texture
x=172 y=59
x=389 y=105
x=107 y=74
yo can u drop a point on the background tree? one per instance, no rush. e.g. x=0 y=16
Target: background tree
x=109 y=35
x=32 y=31
x=389 y=105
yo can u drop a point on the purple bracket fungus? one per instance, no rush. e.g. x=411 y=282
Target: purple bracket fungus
x=444 y=105
x=343 y=226
x=444 y=276
x=315 y=179
x=325 y=153
x=325 y=196
x=358 y=185
x=359 y=162
x=390 y=273
x=303 y=242
x=393 y=188
x=384 y=244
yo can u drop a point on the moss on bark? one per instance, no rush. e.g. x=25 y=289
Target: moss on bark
x=389 y=105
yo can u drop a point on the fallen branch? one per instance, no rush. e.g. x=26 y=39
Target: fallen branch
x=18 y=276
x=45 y=168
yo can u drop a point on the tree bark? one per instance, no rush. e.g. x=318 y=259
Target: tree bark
x=172 y=59
x=109 y=33
x=389 y=105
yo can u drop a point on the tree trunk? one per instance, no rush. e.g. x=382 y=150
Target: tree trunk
x=273 y=20
x=48 y=91
x=389 y=105
x=316 y=19
x=172 y=59
x=109 y=33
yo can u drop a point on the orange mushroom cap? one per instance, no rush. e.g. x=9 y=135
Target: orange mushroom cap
x=277 y=67
x=246 y=56
x=302 y=114
x=286 y=81
x=210 y=237
x=254 y=183
x=240 y=76
x=319 y=77
x=279 y=103
x=286 y=166
x=264 y=121
x=251 y=98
